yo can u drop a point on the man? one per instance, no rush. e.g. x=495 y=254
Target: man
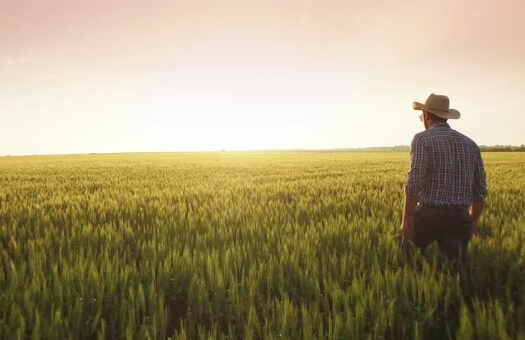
x=446 y=186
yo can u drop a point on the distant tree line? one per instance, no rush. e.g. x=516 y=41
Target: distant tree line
x=502 y=148
x=406 y=148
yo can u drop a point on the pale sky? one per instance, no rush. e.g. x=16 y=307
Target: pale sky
x=80 y=76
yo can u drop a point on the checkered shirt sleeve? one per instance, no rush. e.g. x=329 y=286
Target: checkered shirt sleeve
x=418 y=167
x=479 y=185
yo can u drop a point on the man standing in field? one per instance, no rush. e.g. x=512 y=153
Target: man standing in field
x=446 y=186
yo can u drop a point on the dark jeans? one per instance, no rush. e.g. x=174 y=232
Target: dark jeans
x=452 y=228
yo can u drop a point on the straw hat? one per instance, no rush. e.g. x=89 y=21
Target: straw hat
x=438 y=105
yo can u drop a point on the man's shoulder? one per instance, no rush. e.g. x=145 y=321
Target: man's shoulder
x=421 y=136
x=466 y=138
x=442 y=133
x=433 y=136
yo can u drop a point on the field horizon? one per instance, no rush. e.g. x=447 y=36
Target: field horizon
x=371 y=149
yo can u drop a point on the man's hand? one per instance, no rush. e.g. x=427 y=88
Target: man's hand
x=406 y=229
x=475 y=211
x=475 y=234
x=410 y=205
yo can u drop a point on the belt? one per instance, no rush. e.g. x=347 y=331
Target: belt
x=445 y=207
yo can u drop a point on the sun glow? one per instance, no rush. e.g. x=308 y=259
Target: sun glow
x=235 y=118
x=262 y=97
x=194 y=75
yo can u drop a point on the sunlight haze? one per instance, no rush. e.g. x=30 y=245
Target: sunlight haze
x=195 y=75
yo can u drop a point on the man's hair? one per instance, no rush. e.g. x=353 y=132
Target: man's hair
x=436 y=118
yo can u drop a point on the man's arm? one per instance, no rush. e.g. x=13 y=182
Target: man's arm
x=479 y=191
x=410 y=205
x=475 y=211
x=418 y=167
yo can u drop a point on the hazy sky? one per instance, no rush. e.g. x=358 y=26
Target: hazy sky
x=80 y=76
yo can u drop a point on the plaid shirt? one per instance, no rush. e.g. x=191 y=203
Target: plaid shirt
x=445 y=168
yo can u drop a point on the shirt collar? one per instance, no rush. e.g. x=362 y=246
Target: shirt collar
x=441 y=125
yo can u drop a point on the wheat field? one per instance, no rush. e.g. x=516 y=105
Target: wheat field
x=233 y=245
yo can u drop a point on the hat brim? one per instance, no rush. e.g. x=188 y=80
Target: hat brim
x=448 y=114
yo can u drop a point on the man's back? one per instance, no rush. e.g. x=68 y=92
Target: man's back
x=446 y=169
x=446 y=178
